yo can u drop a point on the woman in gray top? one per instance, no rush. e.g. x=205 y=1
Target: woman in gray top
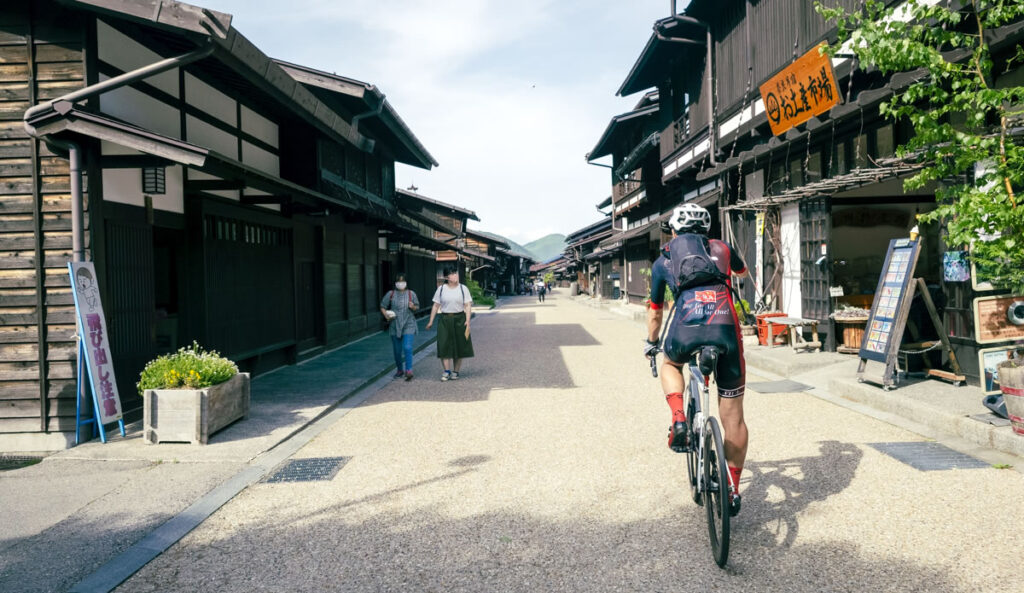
x=397 y=307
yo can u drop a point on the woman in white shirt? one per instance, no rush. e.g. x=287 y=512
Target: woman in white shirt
x=453 y=301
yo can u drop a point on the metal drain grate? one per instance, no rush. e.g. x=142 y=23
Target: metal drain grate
x=927 y=456
x=8 y=462
x=313 y=469
x=785 y=386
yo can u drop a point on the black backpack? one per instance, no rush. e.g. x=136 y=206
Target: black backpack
x=691 y=264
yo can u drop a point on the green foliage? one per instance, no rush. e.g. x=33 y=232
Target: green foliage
x=549 y=278
x=963 y=124
x=477 y=292
x=742 y=309
x=188 y=368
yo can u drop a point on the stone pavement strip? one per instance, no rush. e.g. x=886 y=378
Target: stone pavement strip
x=94 y=514
x=544 y=468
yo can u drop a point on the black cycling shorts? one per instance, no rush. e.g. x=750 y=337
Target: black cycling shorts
x=683 y=341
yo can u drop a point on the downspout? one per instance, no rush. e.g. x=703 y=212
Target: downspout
x=65 y=103
x=375 y=111
x=712 y=133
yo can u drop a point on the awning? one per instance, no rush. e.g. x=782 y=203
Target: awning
x=889 y=169
x=618 y=130
x=590 y=239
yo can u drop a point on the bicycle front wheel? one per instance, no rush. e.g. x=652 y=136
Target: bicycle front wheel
x=716 y=491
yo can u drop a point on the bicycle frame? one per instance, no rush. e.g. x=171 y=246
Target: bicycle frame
x=700 y=385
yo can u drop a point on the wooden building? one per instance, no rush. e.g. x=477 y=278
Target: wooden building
x=580 y=244
x=228 y=198
x=813 y=208
x=445 y=224
x=639 y=199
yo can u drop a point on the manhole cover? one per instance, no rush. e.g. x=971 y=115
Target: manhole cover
x=313 y=469
x=786 y=386
x=927 y=456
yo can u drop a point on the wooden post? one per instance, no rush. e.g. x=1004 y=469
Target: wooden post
x=939 y=325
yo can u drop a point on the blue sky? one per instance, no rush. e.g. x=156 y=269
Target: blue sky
x=507 y=96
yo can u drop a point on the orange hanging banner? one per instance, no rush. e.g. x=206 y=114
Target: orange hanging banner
x=806 y=88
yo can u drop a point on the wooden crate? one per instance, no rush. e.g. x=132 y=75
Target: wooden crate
x=192 y=415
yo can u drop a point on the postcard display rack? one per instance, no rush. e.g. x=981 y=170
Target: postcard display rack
x=889 y=312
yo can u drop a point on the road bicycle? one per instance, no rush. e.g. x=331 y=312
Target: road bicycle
x=708 y=474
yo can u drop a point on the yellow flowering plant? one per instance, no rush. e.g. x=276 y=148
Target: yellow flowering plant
x=190 y=367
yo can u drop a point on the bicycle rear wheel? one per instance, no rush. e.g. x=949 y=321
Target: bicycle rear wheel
x=716 y=491
x=692 y=460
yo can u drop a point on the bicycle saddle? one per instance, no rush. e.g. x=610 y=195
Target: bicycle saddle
x=707 y=357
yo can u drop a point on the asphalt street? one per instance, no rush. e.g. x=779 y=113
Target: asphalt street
x=545 y=468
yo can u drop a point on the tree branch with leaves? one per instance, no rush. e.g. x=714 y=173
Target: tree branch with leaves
x=968 y=123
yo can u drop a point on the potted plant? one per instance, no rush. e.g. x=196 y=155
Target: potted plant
x=1011 y=383
x=190 y=394
x=742 y=313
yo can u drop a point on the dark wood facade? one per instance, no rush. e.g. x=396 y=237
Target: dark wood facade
x=271 y=249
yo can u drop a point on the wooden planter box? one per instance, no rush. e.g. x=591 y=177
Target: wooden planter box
x=852 y=330
x=192 y=415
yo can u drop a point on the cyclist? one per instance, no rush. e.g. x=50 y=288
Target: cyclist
x=697 y=271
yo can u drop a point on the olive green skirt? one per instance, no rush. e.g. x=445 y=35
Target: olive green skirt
x=451 y=337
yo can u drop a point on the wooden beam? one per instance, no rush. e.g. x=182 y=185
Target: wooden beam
x=266 y=199
x=213 y=185
x=133 y=161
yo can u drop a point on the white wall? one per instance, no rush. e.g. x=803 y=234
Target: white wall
x=790 y=237
x=123 y=53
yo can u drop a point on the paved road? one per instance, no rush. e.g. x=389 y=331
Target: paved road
x=545 y=469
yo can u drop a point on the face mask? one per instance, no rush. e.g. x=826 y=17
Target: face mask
x=400 y=285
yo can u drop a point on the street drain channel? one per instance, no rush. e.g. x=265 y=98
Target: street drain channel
x=313 y=469
x=929 y=456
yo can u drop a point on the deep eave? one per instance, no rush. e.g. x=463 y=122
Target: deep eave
x=363 y=98
x=453 y=210
x=200 y=25
x=618 y=129
x=652 y=65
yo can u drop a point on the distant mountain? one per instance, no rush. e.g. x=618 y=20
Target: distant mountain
x=547 y=247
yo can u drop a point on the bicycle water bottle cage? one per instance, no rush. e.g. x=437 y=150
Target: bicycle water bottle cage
x=706 y=361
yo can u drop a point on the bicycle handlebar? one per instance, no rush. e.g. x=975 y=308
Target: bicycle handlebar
x=654 y=364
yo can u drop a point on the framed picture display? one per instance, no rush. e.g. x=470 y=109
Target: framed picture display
x=988 y=362
x=991 y=324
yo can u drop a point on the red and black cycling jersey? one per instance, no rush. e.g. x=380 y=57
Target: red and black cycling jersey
x=710 y=304
x=704 y=316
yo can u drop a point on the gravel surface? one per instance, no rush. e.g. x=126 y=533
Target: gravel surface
x=544 y=468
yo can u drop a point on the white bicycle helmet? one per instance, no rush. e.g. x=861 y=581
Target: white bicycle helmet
x=690 y=218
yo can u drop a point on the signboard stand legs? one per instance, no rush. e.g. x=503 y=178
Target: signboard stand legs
x=80 y=391
x=890 y=376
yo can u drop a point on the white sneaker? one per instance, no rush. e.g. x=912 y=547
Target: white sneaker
x=455 y=376
x=446 y=375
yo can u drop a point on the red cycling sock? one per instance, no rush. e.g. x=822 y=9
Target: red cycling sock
x=734 y=472
x=677 y=405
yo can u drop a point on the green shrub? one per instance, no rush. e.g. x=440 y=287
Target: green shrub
x=477 y=292
x=742 y=309
x=188 y=368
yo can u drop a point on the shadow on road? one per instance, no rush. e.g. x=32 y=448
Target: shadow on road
x=512 y=351
x=780 y=490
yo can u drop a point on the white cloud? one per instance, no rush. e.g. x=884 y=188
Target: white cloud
x=508 y=123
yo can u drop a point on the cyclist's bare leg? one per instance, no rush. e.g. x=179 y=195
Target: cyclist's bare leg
x=730 y=409
x=671 y=378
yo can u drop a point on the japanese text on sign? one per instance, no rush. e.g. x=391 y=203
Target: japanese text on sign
x=803 y=90
x=95 y=342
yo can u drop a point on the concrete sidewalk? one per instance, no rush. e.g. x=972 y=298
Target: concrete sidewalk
x=930 y=404
x=72 y=513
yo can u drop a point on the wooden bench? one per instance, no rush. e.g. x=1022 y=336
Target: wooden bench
x=796 y=338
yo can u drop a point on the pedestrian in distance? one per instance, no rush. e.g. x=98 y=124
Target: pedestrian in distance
x=398 y=307
x=454 y=303
x=541 y=290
